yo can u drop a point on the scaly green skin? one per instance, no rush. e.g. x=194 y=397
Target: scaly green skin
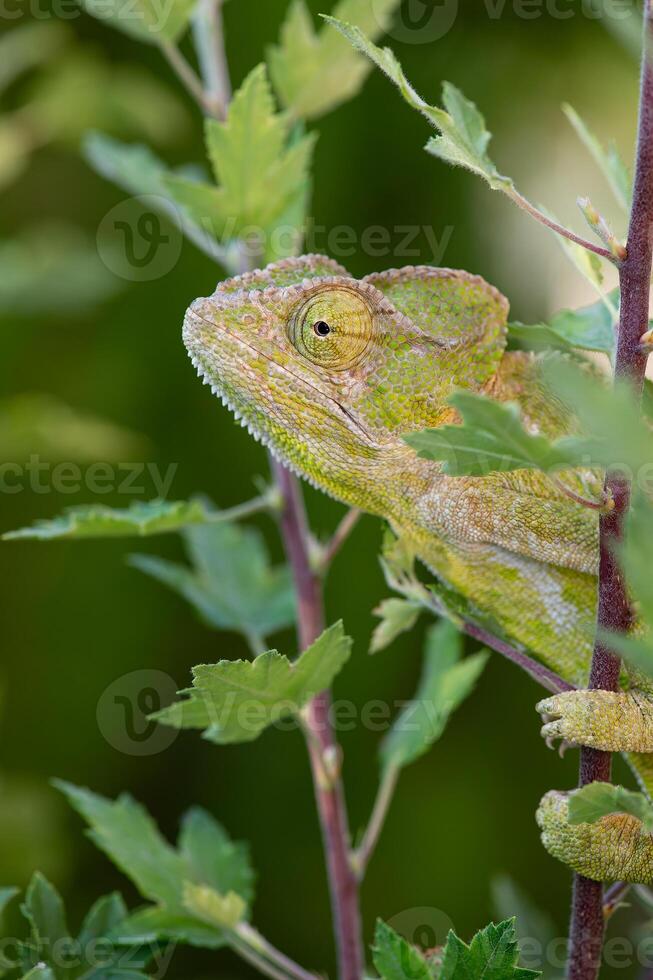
x=331 y=372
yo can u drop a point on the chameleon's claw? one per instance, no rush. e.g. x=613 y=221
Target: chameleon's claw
x=550 y=734
x=612 y=721
x=554 y=726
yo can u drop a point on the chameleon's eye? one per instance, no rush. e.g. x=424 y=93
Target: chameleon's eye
x=332 y=328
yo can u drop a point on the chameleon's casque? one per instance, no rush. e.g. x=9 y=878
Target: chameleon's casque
x=331 y=372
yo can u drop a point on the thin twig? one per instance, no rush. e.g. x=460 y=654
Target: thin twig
x=258 y=962
x=363 y=853
x=208 y=33
x=184 y=72
x=613 y=897
x=534 y=212
x=547 y=678
x=331 y=548
x=268 y=501
x=614 y=612
x=579 y=499
x=322 y=747
x=260 y=945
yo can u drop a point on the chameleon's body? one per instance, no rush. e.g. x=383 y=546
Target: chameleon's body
x=331 y=373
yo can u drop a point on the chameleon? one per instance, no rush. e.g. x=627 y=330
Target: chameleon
x=331 y=372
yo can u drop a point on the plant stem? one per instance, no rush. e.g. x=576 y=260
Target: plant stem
x=259 y=962
x=322 y=747
x=602 y=504
x=209 y=43
x=363 y=853
x=534 y=212
x=213 y=95
x=331 y=548
x=184 y=72
x=254 y=941
x=614 y=612
x=268 y=501
x=547 y=678
x=613 y=896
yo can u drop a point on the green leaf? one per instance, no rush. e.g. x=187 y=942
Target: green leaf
x=137 y=170
x=611 y=417
x=587 y=263
x=589 y=328
x=231 y=583
x=463 y=138
x=102 y=918
x=398 y=564
x=234 y=701
x=589 y=804
x=6 y=895
x=64 y=957
x=139 y=519
x=126 y=833
x=132 y=166
x=609 y=161
x=636 y=554
x=395 y=959
x=44 y=909
x=464 y=142
x=213 y=858
x=161 y=924
x=509 y=899
x=145 y=20
x=260 y=173
x=315 y=71
x=493 y=954
x=397 y=616
x=40 y=972
x=446 y=682
x=492 y=437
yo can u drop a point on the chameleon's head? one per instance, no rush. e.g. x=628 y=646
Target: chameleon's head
x=330 y=371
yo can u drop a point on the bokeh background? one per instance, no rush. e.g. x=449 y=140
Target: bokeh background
x=76 y=617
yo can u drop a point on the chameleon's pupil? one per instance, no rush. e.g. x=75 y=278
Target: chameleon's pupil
x=321 y=328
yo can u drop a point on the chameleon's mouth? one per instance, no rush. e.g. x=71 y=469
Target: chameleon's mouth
x=202 y=351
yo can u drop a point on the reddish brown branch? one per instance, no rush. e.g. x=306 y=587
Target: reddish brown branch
x=614 y=613
x=322 y=747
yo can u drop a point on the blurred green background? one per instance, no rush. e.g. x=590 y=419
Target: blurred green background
x=76 y=617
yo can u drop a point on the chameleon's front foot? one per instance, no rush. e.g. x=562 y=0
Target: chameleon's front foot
x=615 y=848
x=619 y=721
